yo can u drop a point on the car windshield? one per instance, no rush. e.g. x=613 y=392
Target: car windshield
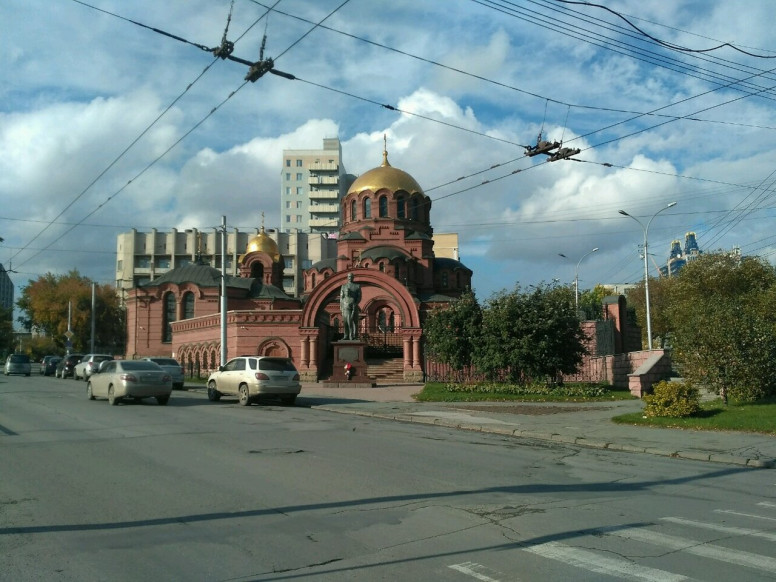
x=276 y=365
x=139 y=365
x=165 y=361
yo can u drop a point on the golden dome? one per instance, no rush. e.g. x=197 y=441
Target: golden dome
x=385 y=176
x=261 y=243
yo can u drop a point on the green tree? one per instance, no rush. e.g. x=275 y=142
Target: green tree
x=44 y=306
x=452 y=332
x=658 y=309
x=530 y=335
x=591 y=301
x=723 y=318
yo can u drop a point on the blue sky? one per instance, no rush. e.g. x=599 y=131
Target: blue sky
x=106 y=125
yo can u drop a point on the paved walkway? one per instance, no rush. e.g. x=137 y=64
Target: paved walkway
x=585 y=424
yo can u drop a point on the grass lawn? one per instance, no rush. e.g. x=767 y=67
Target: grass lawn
x=759 y=417
x=571 y=392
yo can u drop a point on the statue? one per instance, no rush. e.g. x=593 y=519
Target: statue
x=350 y=296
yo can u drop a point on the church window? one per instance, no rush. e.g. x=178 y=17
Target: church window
x=415 y=207
x=445 y=280
x=367 y=208
x=383 y=206
x=168 y=317
x=188 y=305
x=400 y=207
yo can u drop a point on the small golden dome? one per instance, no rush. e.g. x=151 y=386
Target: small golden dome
x=385 y=176
x=261 y=243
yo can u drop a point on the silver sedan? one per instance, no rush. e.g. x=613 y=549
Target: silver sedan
x=136 y=379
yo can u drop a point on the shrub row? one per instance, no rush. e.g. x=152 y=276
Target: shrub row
x=565 y=390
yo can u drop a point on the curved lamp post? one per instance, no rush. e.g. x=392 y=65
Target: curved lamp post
x=646 y=266
x=576 y=276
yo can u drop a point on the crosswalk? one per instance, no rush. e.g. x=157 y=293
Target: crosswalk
x=729 y=545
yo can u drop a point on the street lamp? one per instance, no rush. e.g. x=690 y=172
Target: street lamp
x=646 y=267
x=576 y=277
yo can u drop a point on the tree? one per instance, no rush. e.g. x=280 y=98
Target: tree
x=44 y=306
x=451 y=333
x=530 y=335
x=591 y=301
x=661 y=325
x=722 y=314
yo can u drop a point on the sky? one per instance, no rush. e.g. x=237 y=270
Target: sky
x=114 y=115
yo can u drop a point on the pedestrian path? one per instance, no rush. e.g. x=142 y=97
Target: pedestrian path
x=584 y=424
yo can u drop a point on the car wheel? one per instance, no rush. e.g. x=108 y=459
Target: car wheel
x=212 y=394
x=112 y=400
x=162 y=400
x=89 y=393
x=289 y=400
x=245 y=395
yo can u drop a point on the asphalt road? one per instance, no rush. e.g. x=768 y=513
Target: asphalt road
x=213 y=491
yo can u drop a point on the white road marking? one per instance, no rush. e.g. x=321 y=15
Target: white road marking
x=602 y=564
x=470 y=569
x=731 y=512
x=766 y=504
x=738 y=531
x=698 y=548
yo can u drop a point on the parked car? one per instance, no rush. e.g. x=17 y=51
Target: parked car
x=173 y=368
x=88 y=364
x=254 y=377
x=18 y=364
x=67 y=365
x=49 y=365
x=137 y=379
x=44 y=362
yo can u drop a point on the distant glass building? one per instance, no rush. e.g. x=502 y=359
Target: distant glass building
x=678 y=257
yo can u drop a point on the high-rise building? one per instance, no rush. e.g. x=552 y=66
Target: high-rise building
x=312 y=185
x=678 y=257
x=6 y=289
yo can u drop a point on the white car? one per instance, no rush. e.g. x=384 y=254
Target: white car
x=253 y=377
x=88 y=364
x=136 y=379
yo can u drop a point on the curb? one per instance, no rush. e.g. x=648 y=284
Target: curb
x=565 y=439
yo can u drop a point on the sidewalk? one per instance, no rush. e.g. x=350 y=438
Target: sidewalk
x=584 y=424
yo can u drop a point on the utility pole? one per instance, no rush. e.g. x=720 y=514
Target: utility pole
x=223 y=291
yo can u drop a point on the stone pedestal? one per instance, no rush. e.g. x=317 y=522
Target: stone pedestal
x=351 y=352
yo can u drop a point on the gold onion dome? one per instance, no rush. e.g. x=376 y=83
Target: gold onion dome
x=385 y=176
x=261 y=243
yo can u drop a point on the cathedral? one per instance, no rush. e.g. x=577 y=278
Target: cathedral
x=384 y=245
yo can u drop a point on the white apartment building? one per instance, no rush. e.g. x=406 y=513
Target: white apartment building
x=312 y=184
x=143 y=256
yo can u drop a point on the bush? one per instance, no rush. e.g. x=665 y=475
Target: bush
x=672 y=399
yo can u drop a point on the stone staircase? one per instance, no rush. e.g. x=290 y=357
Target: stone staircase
x=386 y=370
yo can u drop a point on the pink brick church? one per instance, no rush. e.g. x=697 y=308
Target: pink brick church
x=385 y=242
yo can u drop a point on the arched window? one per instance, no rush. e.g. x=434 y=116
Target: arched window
x=257 y=271
x=188 y=305
x=367 y=208
x=352 y=210
x=414 y=210
x=168 y=317
x=445 y=280
x=383 y=206
x=400 y=207
x=381 y=266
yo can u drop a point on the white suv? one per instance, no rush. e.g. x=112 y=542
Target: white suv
x=88 y=364
x=251 y=377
